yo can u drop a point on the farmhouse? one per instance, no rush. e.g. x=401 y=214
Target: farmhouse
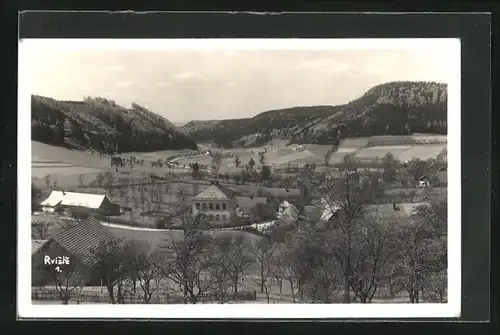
x=81 y=203
x=75 y=243
x=216 y=202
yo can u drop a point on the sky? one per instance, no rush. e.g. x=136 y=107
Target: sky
x=185 y=85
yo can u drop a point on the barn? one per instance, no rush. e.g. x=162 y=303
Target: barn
x=75 y=243
x=79 y=203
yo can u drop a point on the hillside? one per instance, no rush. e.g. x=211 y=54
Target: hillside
x=396 y=108
x=101 y=124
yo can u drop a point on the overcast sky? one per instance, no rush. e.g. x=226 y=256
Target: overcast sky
x=201 y=85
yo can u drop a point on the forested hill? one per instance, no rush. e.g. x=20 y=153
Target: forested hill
x=101 y=124
x=395 y=108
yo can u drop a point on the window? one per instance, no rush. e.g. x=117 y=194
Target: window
x=210 y=217
x=210 y=206
x=217 y=206
x=217 y=217
x=224 y=206
x=198 y=206
x=204 y=206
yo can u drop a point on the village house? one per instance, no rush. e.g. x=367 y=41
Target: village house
x=75 y=243
x=216 y=202
x=79 y=203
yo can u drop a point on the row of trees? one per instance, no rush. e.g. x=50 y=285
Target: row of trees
x=355 y=253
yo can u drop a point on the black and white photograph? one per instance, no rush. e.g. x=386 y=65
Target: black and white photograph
x=252 y=175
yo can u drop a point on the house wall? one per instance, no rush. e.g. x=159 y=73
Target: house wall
x=209 y=208
x=40 y=274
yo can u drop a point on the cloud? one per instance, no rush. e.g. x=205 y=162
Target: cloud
x=186 y=75
x=125 y=84
x=114 y=68
x=323 y=64
x=162 y=84
x=230 y=53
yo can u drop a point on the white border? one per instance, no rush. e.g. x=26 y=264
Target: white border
x=26 y=309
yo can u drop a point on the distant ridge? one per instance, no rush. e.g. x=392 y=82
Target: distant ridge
x=395 y=108
x=101 y=124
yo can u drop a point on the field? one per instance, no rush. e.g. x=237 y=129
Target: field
x=380 y=152
x=423 y=152
x=401 y=152
x=66 y=166
x=406 y=139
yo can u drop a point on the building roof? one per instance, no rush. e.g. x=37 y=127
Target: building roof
x=74 y=199
x=81 y=238
x=36 y=244
x=215 y=192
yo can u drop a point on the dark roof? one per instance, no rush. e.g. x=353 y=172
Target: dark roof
x=81 y=238
x=227 y=191
x=215 y=191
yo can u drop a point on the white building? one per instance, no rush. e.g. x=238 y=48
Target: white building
x=83 y=202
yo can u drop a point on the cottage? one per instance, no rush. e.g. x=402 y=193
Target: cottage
x=75 y=243
x=84 y=203
x=217 y=203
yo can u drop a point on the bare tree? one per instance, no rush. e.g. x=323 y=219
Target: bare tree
x=99 y=179
x=109 y=259
x=436 y=287
x=188 y=259
x=240 y=259
x=144 y=265
x=80 y=180
x=372 y=249
x=422 y=249
x=288 y=269
x=48 y=180
x=278 y=272
x=263 y=250
x=220 y=269
x=66 y=277
x=216 y=162
x=346 y=197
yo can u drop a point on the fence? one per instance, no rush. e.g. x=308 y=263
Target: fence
x=80 y=295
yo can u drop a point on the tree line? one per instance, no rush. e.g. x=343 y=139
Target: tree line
x=100 y=124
